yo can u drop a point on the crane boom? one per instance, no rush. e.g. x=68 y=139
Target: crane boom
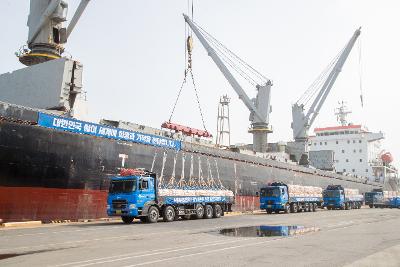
x=223 y=68
x=78 y=13
x=301 y=123
x=259 y=107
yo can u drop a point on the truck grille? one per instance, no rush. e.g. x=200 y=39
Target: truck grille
x=119 y=204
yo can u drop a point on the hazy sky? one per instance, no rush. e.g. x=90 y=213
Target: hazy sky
x=133 y=57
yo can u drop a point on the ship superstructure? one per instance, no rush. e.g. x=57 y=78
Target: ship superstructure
x=350 y=149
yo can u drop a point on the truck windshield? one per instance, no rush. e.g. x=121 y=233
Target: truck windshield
x=370 y=195
x=270 y=192
x=122 y=186
x=331 y=193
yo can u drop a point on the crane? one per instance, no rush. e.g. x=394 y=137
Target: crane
x=259 y=106
x=302 y=119
x=46 y=31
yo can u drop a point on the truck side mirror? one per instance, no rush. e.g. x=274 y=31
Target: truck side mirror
x=141 y=184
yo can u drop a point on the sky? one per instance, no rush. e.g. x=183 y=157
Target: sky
x=134 y=59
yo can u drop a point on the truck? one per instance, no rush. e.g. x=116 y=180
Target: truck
x=375 y=199
x=277 y=197
x=394 y=203
x=135 y=193
x=378 y=198
x=338 y=197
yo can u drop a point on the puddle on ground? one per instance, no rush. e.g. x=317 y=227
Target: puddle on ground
x=267 y=231
x=12 y=255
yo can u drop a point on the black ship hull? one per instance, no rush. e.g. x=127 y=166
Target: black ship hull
x=48 y=174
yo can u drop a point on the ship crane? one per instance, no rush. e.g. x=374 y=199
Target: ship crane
x=259 y=106
x=302 y=119
x=46 y=31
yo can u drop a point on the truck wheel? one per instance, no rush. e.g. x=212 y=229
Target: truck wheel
x=208 y=212
x=309 y=208
x=127 y=219
x=153 y=215
x=287 y=209
x=269 y=211
x=314 y=207
x=176 y=215
x=199 y=211
x=293 y=208
x=168 y=214
x=217 y=212
x=299 y=208
x=371 y=206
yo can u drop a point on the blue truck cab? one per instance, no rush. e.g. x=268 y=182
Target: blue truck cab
x=274 y=197
x=334 y=197
x=129 y=195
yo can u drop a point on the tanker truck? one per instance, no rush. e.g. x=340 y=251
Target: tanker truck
x=135 y=193
x=277 y=197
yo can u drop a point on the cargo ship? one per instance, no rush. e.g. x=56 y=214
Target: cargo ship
x=56 y=166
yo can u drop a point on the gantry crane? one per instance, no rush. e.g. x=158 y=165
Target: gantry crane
x=259 y=107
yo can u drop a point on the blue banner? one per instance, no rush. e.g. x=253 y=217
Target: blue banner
x=188 y=200
x=82 y=127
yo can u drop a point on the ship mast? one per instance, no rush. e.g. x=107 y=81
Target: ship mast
x=341 y=114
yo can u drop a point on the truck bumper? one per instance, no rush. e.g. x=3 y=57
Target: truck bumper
x=332 y=205
x=272 y=206
x=124 y=212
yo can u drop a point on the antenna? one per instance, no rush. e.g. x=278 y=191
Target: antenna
x=341 y=113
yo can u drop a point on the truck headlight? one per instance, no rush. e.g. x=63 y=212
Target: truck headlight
x=132 y=206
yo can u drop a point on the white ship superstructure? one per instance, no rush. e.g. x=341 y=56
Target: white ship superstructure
x=352 y=150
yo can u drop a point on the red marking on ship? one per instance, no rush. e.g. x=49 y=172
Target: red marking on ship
x=35 y=203
x=336 y=128
x=185 y=129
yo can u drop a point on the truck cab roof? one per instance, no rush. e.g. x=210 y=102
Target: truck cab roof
x=130 y=177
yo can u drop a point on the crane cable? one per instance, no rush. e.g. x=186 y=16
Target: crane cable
x=188 y=69
x=360 y=72
x=235 y=62
x=315 y=87
x=198 y=99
